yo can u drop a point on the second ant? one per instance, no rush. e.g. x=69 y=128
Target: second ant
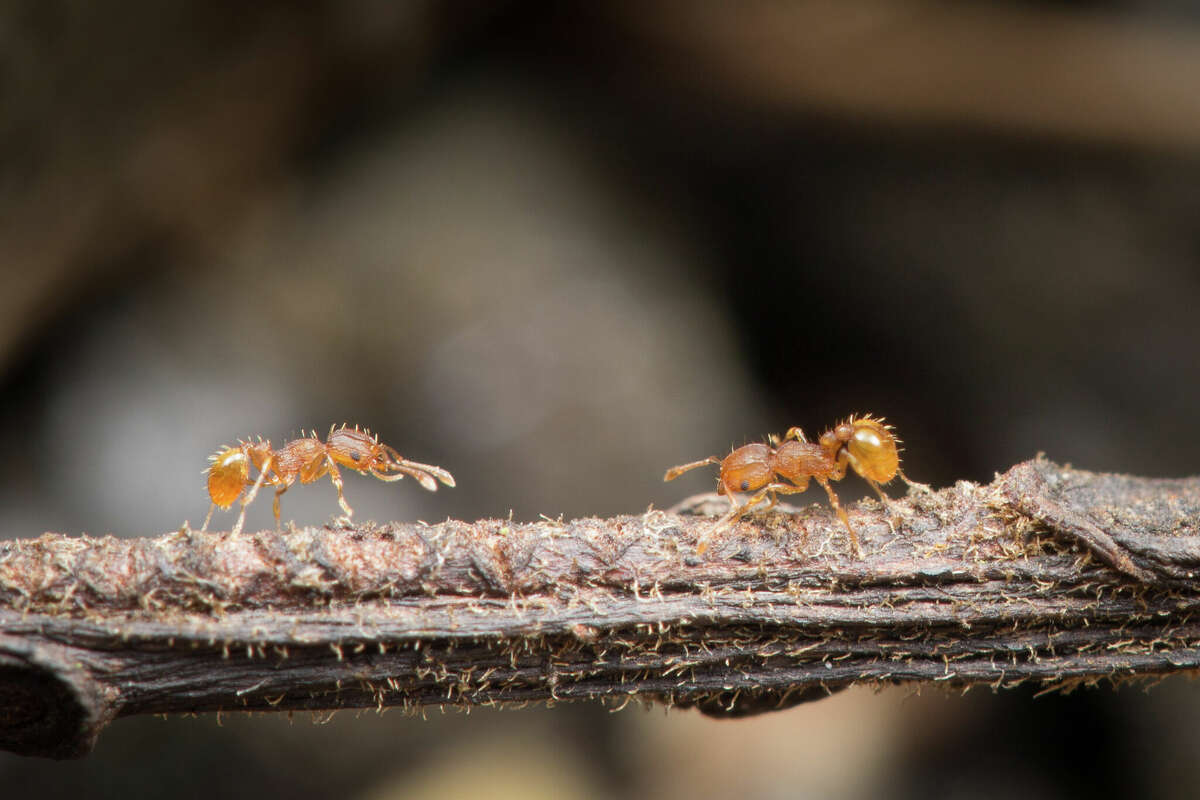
x=865 y=444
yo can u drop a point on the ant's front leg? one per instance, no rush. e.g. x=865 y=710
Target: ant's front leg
x=894 y=516
x=336 y=477
x=211 y=508
x=732 y=514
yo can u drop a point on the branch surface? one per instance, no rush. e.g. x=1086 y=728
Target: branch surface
x=1047 y=574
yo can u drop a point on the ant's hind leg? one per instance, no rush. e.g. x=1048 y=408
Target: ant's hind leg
x=247 y=500
x=841 y=512
x=924 y=488
x=211 y=508
x=275 y=505
x=894 y=516
x=887 y=501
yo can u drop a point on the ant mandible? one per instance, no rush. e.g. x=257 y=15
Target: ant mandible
x=865 y=444
x=308 y=459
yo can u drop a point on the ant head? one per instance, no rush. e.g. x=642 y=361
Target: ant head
x=353 y=448
x=746 y=469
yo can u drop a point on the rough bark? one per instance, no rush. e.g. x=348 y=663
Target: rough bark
x=1048 y=574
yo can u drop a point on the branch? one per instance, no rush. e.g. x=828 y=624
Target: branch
x=1048 y=574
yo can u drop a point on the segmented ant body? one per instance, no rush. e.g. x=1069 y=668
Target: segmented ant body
x=865 y=444
x=308 y=459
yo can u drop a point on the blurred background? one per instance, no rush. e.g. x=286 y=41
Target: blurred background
x=559 y=248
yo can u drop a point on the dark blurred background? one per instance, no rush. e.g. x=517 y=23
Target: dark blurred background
x=558 y=248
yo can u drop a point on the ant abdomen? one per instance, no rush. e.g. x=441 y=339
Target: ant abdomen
x=227 y=475
x=870 y=447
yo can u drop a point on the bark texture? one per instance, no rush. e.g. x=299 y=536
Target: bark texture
x=1047 y=574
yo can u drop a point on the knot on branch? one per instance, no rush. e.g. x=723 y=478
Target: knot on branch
x=1142 y=528
x=48 y=706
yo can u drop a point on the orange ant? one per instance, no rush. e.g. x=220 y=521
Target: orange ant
x=308 y=459
x=865 y=444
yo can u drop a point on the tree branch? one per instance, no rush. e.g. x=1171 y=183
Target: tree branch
x=1048 y=574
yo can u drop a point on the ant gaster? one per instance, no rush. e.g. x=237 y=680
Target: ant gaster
x=865 y=444
x=308 y=459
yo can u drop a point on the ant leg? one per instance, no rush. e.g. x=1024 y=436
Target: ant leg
x=894 y=516
x=887 y=501
x=736 y=511
x=777 y=489
x=732 y=514
x=839 y=470
x=797 y=434
x=275 y=505
x=755 y=499
x=249 y=498
x=212 y=507
x=675 y=472
x=913 y=485
x=336 y=477
x=833 y=501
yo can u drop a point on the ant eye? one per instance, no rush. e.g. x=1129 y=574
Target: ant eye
x=745 y=486
x=355 y=455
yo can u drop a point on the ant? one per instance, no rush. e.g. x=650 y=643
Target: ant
x=865 y=444
x=308 y=459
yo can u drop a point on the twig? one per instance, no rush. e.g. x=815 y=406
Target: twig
x=1048 y=574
